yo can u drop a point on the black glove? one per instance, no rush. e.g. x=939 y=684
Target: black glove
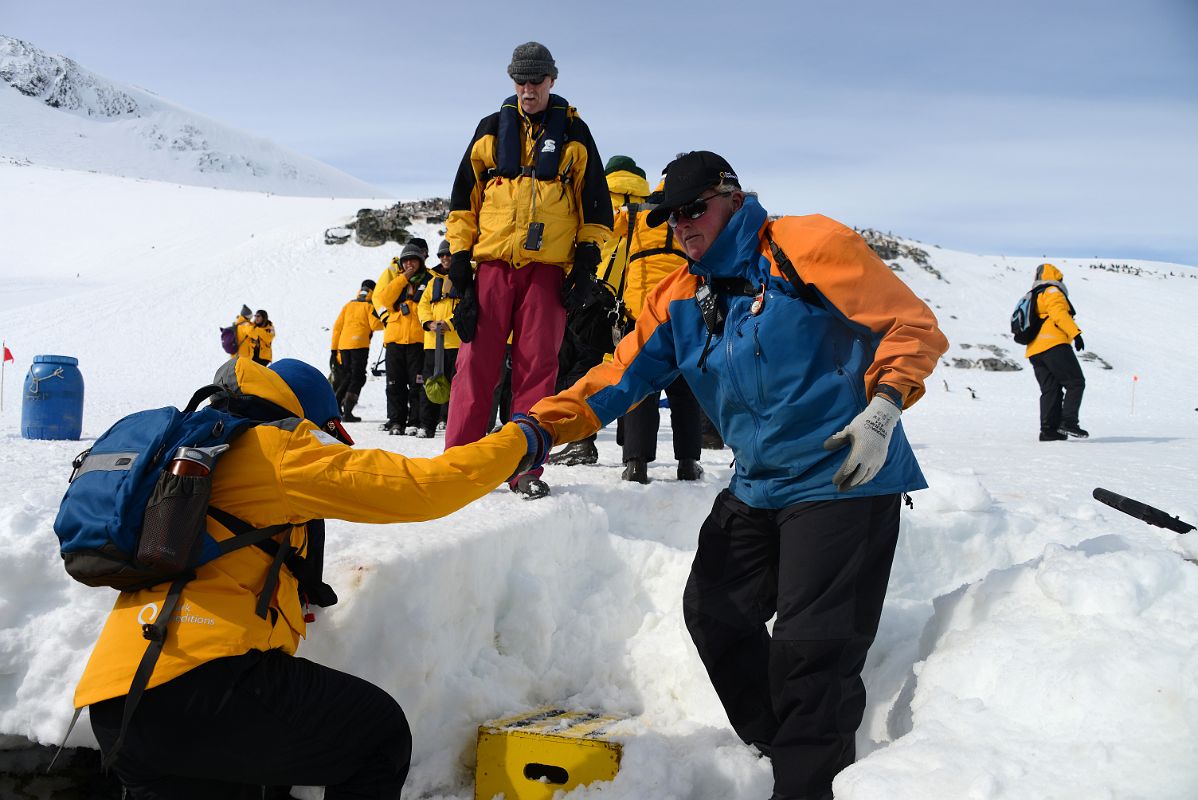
x=461 y=274
x=577 y=286
x=1078 y=344
x=465 y=316
x=245 y=311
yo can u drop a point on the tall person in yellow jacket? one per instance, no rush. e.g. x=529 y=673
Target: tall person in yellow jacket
x=229 y=708
x=1053 y=361
x=530 y=206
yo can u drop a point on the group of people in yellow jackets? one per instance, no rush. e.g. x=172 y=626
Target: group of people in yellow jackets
x=414 y=308
x=255 y=335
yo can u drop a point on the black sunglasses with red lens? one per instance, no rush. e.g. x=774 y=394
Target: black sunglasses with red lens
x=531 y=81
x=693 y=210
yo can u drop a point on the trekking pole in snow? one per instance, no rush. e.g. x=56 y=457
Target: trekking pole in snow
x=1142 y=511
x=1134 y=380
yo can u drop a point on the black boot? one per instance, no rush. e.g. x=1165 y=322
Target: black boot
x=1072 y=429
x=635 y=469
x=581 y=452
x=347 y=408
x=689 y=469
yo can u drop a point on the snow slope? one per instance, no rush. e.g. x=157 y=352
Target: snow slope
x=1035 y=644
x=55 y=113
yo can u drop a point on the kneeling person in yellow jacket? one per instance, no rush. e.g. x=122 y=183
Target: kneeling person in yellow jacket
x=228 y=707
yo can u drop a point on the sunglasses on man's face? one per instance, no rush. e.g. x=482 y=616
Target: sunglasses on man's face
x=693 y=210
x=532 y=81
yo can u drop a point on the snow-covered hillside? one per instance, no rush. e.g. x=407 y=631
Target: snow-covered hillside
x=56 y=113
x=1035 y=644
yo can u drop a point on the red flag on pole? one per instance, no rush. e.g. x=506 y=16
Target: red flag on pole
x=8 y=354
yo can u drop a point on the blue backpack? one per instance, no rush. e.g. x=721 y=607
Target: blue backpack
x=127 y=521
x=1025 y=320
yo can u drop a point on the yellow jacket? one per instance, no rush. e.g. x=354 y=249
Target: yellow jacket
x=624 y=188
x=651 y=254
x=1053 y=306
x=440 y=310
x=395 y=300
x=356 y=323
x=283 y=472
x=490 y=214
x=254 y=341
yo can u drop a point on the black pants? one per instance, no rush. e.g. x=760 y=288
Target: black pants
x=351 y=376
x=231 y=726
x=431 y=413
x=823 y=568
x=404 y=391
x=641 y=423
x=1061 y=386
x=587 y=339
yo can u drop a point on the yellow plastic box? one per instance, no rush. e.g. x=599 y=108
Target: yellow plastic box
x=530 y=756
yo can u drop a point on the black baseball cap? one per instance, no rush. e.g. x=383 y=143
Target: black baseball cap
x=687 y=177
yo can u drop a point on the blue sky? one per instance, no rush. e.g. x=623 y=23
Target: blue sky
x=1020 y=128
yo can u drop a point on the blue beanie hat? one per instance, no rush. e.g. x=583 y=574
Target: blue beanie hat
x=314 y=394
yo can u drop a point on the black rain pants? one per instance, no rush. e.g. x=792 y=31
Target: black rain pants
x=1061 y=387
x=352 y=376
x=233 y=725
x=822 y=567
x=641 y=424
x=405 y=389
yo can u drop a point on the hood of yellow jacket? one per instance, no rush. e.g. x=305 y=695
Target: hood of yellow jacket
x=622 y=182
x=244 y=377
x=1047 y=272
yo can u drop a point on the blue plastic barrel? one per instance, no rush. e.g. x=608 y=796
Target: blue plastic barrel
x=52 y=403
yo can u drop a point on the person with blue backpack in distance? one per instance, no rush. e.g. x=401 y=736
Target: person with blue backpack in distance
x=226 y=708
x=803 y=347
x=1054 y=363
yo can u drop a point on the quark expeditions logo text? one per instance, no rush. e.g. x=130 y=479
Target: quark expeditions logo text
x=149 y=612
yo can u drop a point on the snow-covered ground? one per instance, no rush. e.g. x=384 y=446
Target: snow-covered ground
x=1035 y=644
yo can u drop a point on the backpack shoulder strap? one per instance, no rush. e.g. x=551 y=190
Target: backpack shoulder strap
x=245 y=535
x=803 y=289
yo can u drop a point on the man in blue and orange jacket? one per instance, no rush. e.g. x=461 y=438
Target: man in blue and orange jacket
x=797 y=340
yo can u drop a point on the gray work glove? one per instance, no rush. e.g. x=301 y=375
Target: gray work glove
x=869 y=433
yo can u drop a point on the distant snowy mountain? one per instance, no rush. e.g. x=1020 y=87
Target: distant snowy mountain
x=55 y=113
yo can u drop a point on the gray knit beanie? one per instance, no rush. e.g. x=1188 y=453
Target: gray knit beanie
x=530 y=61
x=443 y=248
x=411 y=250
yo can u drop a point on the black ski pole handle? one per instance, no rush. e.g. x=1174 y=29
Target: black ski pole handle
x=1142 y=511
